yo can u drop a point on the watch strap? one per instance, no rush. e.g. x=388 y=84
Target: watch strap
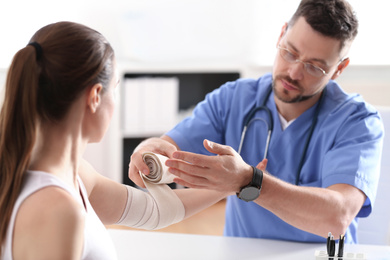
x=257 y=179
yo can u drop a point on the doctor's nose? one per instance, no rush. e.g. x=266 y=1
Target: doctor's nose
x=296 y=70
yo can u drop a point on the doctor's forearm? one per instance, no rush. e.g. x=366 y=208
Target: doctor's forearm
x=315 y=210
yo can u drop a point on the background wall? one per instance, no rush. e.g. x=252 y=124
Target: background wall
x=195 y=35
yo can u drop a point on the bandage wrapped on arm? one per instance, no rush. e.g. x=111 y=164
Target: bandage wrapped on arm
x=158 y=208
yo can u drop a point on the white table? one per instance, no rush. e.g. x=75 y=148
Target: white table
x=138 y=245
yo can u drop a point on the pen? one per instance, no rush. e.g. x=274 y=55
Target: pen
x=341 y=246
x=332 y=248
x=328 y=243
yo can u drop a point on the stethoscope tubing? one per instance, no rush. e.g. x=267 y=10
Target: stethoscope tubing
x=267 y=141
x=249 y=119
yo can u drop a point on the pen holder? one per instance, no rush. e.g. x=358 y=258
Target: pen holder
x=322 y=255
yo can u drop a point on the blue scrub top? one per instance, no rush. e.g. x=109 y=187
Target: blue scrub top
x=345 y=148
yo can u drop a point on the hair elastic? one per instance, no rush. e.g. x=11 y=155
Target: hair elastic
x=38 y=49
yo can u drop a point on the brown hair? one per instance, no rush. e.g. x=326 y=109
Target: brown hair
x=332 y=18
x=41 y=86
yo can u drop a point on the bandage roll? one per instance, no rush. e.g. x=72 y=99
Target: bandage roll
x=158 y=171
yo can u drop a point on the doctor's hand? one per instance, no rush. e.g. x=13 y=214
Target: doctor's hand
x=226 y=172
x=137 y=164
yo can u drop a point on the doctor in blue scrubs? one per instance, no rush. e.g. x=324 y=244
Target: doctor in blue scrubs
x=323 y=146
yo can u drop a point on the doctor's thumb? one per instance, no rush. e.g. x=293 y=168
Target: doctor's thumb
x=262 y=165
x=216 y=148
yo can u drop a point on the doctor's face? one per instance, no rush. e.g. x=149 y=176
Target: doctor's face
x=305 y=62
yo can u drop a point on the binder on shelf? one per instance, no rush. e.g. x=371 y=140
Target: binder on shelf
x=150 y=105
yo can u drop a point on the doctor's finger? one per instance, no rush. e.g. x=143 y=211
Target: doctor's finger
x=180 y=166
x=190 y=180
x=198 y=182
x=200 y=177
x=193 y=158
x=190 y=184
x=135 y=177
x=136 y=165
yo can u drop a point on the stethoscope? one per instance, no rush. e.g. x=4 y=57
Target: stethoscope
x=270 y=126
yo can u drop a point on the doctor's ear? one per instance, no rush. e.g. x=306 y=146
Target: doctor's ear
x=340 y=68
x=94 y=97
x=282 y=33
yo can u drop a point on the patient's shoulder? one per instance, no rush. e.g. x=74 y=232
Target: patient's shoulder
x=49 y=220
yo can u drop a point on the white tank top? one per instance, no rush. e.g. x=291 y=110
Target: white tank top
x=97 y=242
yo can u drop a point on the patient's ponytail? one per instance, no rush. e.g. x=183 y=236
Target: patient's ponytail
x=18 y=119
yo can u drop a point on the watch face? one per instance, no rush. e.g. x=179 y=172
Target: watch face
x=249 y=193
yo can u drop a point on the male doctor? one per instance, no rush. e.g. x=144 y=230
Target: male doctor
x=324 y=149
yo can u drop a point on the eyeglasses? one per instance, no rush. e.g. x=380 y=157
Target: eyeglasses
x=309 y=68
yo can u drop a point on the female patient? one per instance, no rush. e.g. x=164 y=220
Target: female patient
x=60 y=97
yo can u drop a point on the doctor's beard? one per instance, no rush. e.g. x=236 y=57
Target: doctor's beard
x=298 y=98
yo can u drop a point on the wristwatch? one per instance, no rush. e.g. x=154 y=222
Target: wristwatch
x=251 y=191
